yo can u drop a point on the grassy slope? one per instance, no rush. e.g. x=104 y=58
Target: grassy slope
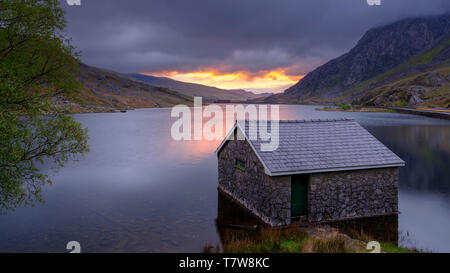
x=438 y=96
x=209 y=93
x=298 y=240
x=386 y=81
x=108 y=91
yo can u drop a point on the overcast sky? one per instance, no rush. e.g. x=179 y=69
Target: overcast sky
x=226 y=36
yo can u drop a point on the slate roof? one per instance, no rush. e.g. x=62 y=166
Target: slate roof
x=308 y=146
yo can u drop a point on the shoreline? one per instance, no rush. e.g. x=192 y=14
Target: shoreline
x=432 y=113
x=428 y=112
x=356 y=109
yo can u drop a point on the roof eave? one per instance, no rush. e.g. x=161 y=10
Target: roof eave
x=334 y=169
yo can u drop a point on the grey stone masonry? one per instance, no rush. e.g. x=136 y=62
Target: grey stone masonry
x=348 y=194
x=267 y=197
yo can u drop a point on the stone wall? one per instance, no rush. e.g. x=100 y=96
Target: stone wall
x=347 y=194
x=267 y=197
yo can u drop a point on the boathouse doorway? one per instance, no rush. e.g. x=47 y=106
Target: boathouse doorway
x=299 y=195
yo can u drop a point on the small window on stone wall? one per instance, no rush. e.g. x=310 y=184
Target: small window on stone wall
x=239 y=164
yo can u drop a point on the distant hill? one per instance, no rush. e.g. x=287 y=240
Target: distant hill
x=209 y=93
x=109 y=91
x=403 y=63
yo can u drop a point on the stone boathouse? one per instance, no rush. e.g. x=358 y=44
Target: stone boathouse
x=322 y=170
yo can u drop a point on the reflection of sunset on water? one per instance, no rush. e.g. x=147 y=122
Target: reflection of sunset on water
x=192 y=149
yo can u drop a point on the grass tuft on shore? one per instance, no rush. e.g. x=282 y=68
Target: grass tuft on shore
x=292 y=240
x=299 y=240
x=391 y=248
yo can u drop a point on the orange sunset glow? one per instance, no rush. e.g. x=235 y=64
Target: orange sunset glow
x=264 y=81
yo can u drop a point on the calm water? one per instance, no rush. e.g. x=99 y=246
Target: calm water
x=140 y=191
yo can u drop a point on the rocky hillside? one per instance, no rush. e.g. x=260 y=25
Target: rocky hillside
x=430 y=88
x=209 y=93
x=388 y=57
x=109 y=91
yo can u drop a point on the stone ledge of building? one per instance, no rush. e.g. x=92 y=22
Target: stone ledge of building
x=355 y=218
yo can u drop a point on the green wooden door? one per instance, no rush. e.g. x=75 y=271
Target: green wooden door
x=299 y=195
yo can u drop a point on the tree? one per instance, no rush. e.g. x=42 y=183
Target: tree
x=37 y=64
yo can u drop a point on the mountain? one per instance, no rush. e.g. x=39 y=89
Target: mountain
x=209 y=93
x=389 y=59
x=249 y=94
x=109 y=91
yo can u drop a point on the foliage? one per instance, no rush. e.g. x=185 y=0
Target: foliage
x=333 y=244
x=267 y=241
x=297 y=240
x=400 y=103
x=391 y=248
x=290 y=246
x=428 y=56
x=292 y=240
x=37 y=63
x=345 y=107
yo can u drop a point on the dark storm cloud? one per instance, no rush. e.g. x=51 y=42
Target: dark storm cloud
x=227 y=35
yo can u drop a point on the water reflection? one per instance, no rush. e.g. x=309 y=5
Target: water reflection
x=424 y=197
x=380 y=228
x=426 y=149
x=191 y=150
x=233 y=221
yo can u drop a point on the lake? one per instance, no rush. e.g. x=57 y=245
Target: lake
x=140 y=191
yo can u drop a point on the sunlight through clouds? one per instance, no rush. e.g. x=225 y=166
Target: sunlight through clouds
x=275 y=80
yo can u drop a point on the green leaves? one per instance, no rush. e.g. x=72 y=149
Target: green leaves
x=51 y=139
x=36 y=61
x=37 y=64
